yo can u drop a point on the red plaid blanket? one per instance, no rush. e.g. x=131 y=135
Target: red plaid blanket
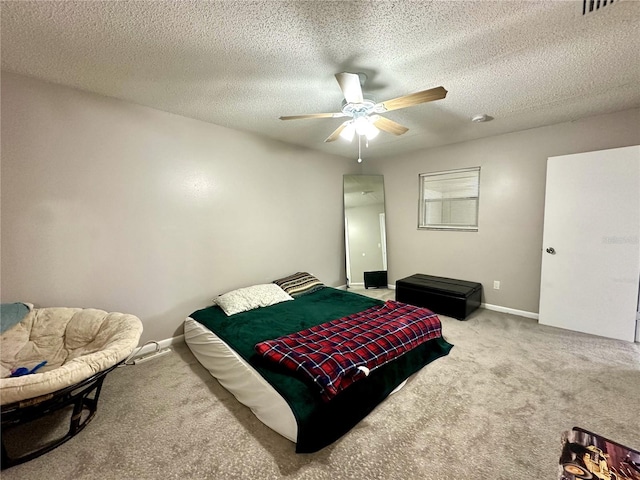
x=337 y=353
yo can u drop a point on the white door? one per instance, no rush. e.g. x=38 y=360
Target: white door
x=591 y=247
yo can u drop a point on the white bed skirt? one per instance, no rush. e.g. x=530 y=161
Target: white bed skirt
x=241 y=379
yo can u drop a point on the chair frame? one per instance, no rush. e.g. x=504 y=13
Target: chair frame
x=26 y=411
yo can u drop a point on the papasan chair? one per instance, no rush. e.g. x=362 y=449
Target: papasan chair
x=80 y=347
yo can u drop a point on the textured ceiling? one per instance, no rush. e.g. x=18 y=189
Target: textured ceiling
x=243 y=64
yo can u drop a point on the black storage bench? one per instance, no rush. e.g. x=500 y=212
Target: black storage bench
x=375 y=279
x=447 y=296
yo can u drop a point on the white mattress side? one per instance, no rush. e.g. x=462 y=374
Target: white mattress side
x=241 y=379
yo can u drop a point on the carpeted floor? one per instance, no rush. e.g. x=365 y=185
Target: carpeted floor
x=494 y=408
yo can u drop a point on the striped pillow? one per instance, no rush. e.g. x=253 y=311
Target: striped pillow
x=299 y=284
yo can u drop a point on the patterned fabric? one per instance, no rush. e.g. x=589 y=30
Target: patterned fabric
x=299 y=284
x=337 y=353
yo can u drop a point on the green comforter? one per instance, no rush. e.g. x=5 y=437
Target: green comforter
x=319 y=423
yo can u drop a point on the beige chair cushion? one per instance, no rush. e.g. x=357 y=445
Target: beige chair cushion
x=76 y=343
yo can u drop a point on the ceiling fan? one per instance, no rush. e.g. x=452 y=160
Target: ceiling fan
x=363 y=110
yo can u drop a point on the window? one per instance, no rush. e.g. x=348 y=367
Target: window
x=449 y=200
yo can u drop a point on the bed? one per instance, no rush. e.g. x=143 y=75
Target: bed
x=225 y=345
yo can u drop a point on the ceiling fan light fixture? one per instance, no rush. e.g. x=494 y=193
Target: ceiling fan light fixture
x=363 y=109
x=364 y=126
x=372 y=132
x=348 y=131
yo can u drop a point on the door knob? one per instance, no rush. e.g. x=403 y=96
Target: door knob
x=551 y=250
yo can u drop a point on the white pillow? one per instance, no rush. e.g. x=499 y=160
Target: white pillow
x=248 y=298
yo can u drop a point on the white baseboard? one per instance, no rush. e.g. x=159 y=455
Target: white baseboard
x=167 y=342
x=512 y=311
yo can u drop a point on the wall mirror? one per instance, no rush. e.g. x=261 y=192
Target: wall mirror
x=365 y=231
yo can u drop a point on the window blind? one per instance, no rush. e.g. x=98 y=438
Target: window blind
x=450 y=200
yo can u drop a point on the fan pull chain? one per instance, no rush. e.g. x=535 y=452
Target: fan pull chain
x=359 y=149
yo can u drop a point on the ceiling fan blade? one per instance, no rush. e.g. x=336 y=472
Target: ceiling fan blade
x=336 y=133
x=412 y=99
x=314 y=115
x=388 y=126
x=350 y=86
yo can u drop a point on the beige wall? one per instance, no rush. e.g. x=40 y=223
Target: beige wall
x=116 y=206
x=508 y=245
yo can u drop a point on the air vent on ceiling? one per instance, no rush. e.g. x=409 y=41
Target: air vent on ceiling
x=589 y=6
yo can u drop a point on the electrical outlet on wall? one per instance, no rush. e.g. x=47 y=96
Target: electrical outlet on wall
x=496 y=284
